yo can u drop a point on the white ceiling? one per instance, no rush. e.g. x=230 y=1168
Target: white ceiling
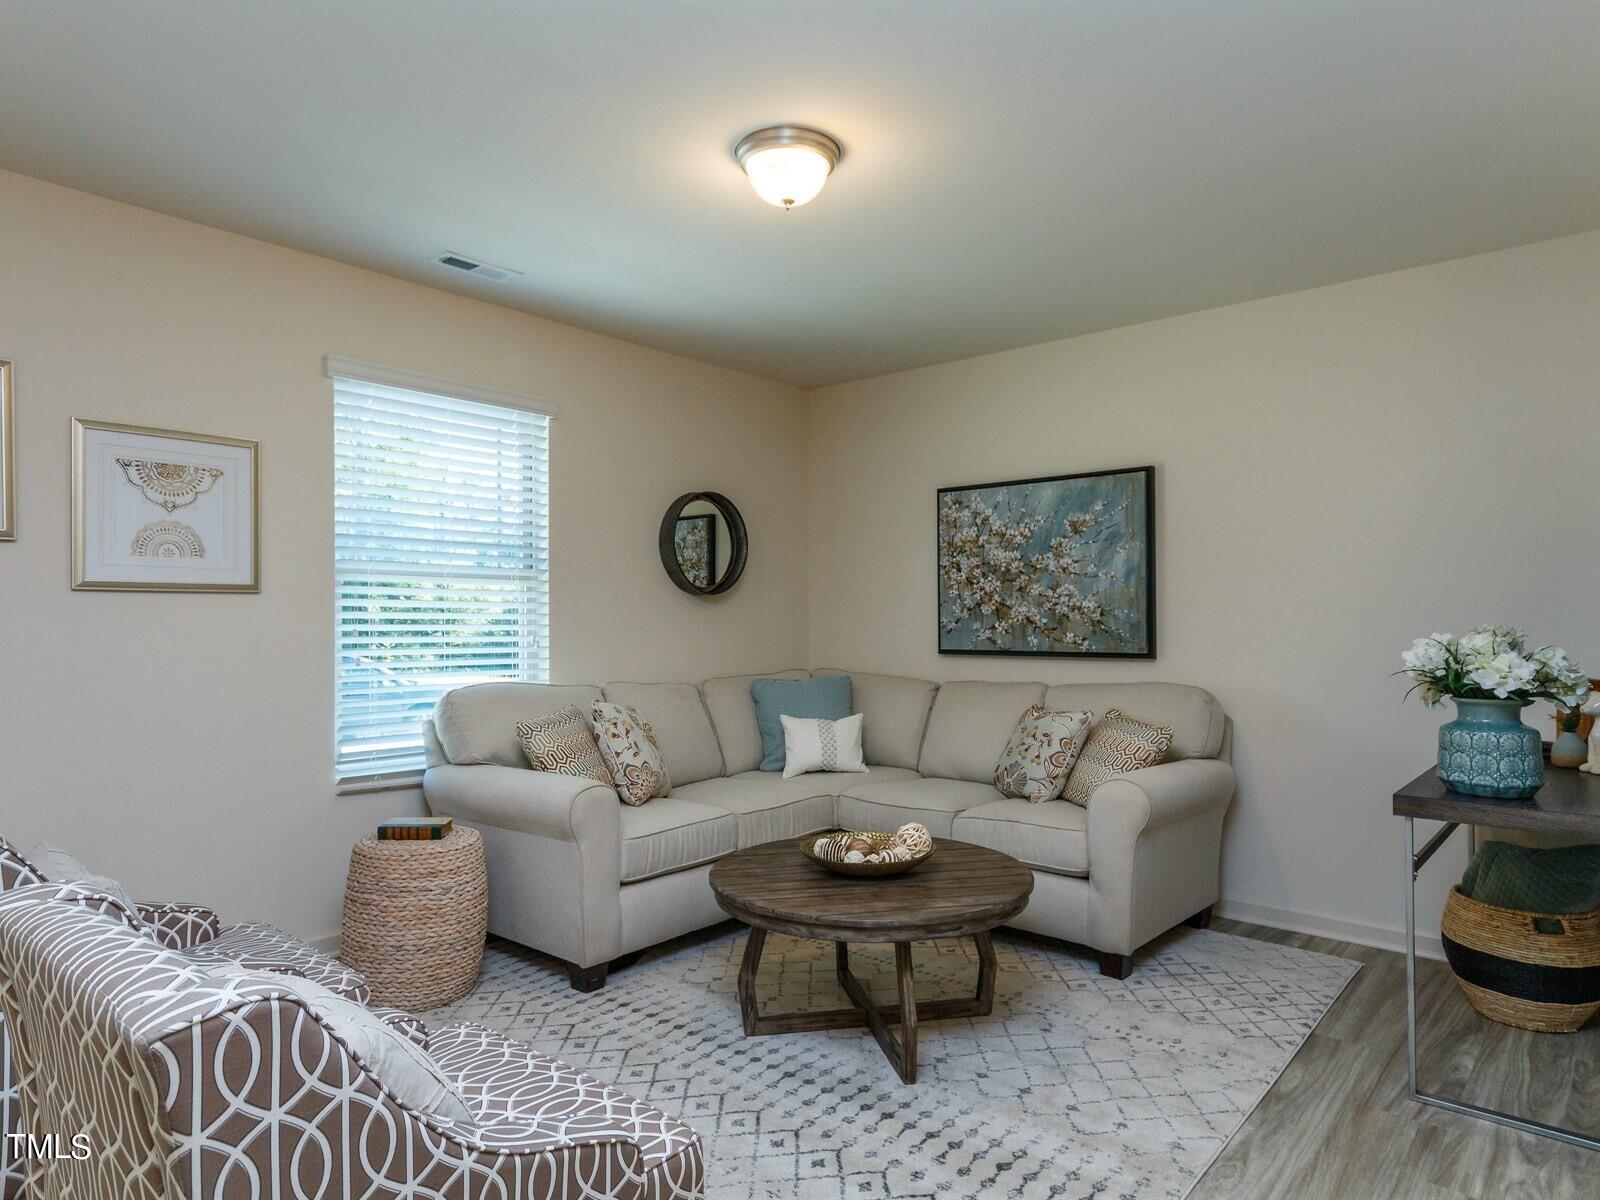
x=1014 y=171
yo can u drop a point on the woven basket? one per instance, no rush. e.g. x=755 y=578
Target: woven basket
x=1537 y=971
x=415 y=916
x=862 y=870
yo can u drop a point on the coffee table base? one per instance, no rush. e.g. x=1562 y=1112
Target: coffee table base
x=901 y=1049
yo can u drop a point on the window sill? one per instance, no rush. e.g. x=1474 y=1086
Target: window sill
x=395 y=782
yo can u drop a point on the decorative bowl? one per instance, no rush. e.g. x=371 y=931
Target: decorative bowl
x=828 y=851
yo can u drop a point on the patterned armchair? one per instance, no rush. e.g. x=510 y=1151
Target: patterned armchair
x=229 y=1089
x=195 y=932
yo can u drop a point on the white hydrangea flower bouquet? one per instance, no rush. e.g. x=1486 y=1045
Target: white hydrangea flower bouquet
x=1492 y=663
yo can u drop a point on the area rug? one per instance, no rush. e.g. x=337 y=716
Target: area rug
x=1075 y=1086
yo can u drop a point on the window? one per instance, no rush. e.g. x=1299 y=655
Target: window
x=442 y=560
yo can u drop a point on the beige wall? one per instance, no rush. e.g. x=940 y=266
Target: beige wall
x=1338 y=471
x=183 y=742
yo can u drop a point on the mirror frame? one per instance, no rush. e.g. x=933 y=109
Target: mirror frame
x=738 y=537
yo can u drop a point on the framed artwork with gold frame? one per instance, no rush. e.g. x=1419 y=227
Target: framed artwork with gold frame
x=156 y=510
x=8 y=457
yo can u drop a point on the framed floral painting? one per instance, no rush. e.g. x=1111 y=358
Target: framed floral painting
x=695 y=538
x=1059 y=566
x=154 y=510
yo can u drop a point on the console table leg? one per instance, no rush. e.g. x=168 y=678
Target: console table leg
x=748 y=1012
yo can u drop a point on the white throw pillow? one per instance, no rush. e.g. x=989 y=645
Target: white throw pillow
x=813 y=744
x=393 y=1059
x=59 y=866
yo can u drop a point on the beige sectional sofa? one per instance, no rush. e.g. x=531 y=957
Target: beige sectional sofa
x=577 y=874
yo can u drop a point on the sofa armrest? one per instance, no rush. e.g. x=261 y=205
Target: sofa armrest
x=543 y=803
x=1155 y=842
x=1140 y=801
x=180 y=926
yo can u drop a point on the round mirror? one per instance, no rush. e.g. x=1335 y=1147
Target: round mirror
x=703 y=543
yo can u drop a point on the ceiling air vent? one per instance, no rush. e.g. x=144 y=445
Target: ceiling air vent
x=472 y=266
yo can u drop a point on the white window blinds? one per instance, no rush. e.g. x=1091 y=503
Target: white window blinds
x=442 y=562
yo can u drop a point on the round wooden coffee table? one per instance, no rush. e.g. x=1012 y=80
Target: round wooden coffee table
x=962 y=891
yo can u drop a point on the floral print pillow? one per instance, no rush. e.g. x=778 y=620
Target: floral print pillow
x=630 y=753
x=1040 y=754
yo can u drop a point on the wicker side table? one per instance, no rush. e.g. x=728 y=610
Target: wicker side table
x=415 y=916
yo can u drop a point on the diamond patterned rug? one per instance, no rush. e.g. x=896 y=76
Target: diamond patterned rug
x=1075 y=1086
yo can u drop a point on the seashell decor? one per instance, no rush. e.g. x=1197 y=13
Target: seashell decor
x=854 y=853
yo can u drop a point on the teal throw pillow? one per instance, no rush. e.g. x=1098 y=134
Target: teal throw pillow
x=825 y=697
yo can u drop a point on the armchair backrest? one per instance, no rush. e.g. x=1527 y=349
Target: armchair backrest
x=15 y=871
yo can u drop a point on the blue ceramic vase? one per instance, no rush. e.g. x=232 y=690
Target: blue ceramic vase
x=1488 y=751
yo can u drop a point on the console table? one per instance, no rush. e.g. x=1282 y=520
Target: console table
x=1568 y=803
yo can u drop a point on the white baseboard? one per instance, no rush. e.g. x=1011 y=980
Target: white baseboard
x=1379 y=937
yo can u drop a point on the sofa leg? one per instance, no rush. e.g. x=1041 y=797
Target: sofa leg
x=1201 y=919
x=1116 y=966
x=587 y=979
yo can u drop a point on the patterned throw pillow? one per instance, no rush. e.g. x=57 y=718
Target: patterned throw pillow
x=563 y=743
x=1117 y=744
x=628 y=748
x=1040 y=754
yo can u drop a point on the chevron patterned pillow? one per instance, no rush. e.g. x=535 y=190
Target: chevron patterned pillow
x=1118 y=743
x=564 y=743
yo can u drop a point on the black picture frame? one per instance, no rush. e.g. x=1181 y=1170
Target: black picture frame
x=1147 y=532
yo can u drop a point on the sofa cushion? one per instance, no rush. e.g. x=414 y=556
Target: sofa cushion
x=824 y=698
x=1053 y=836
x=1036 y=761
x=770 y=808
x=631 y=753
x=969 y=727
x=816 y=745
x=682 y=726
x=934 y=802
x=1119 y=744
x=564 y=744
x=896 y=711
x=733 y=713
x=671 y=834
x=478 y=723
x=1192 y=713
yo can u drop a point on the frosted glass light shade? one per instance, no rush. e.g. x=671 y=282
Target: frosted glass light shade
x=787 y=165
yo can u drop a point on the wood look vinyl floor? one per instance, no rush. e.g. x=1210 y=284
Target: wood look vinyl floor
x=1337 y=1125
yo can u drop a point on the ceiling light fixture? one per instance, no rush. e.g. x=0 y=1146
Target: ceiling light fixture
x=787 y=164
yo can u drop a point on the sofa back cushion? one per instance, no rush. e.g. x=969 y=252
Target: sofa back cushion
x=478 y=723
x=969 y=727
x=895 y=708
x=733 y=713
x=825 y=697
x=1192 y=713
x=677 y=716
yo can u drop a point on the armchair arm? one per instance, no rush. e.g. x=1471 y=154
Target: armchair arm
x=178 y=926
x=564 y=807
x=383 y=1146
